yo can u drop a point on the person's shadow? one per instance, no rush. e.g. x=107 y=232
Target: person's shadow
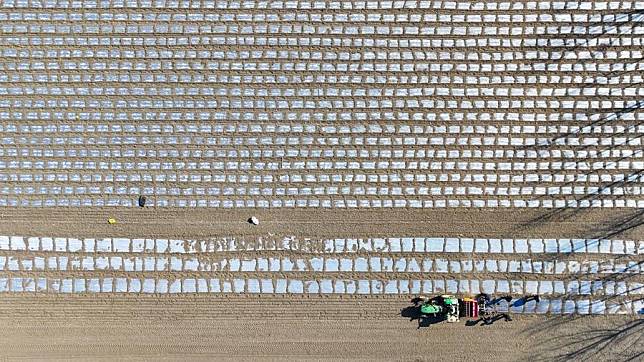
x=489 y=321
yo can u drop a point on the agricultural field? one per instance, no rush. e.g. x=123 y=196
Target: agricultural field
x=387 y=149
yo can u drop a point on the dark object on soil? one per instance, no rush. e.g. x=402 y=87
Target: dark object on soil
x=142 y=200
x=492 y=319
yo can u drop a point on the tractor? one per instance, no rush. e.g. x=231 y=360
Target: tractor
x=445 y=307
x=482 y=308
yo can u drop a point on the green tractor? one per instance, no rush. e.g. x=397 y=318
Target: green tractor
x=444 y=307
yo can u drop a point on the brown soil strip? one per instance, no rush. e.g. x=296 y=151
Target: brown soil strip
x=260 y=327
x=174 y=223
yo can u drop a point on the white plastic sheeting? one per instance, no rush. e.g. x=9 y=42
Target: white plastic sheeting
x=328 y=246
x=565 y=283
x=547 y=304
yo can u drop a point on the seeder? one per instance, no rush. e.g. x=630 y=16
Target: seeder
x=450 y=308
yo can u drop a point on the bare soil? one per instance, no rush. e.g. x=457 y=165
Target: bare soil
x=185 y=223
x=295 y=328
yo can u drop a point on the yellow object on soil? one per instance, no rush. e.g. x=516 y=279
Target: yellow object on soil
x=111 y=221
